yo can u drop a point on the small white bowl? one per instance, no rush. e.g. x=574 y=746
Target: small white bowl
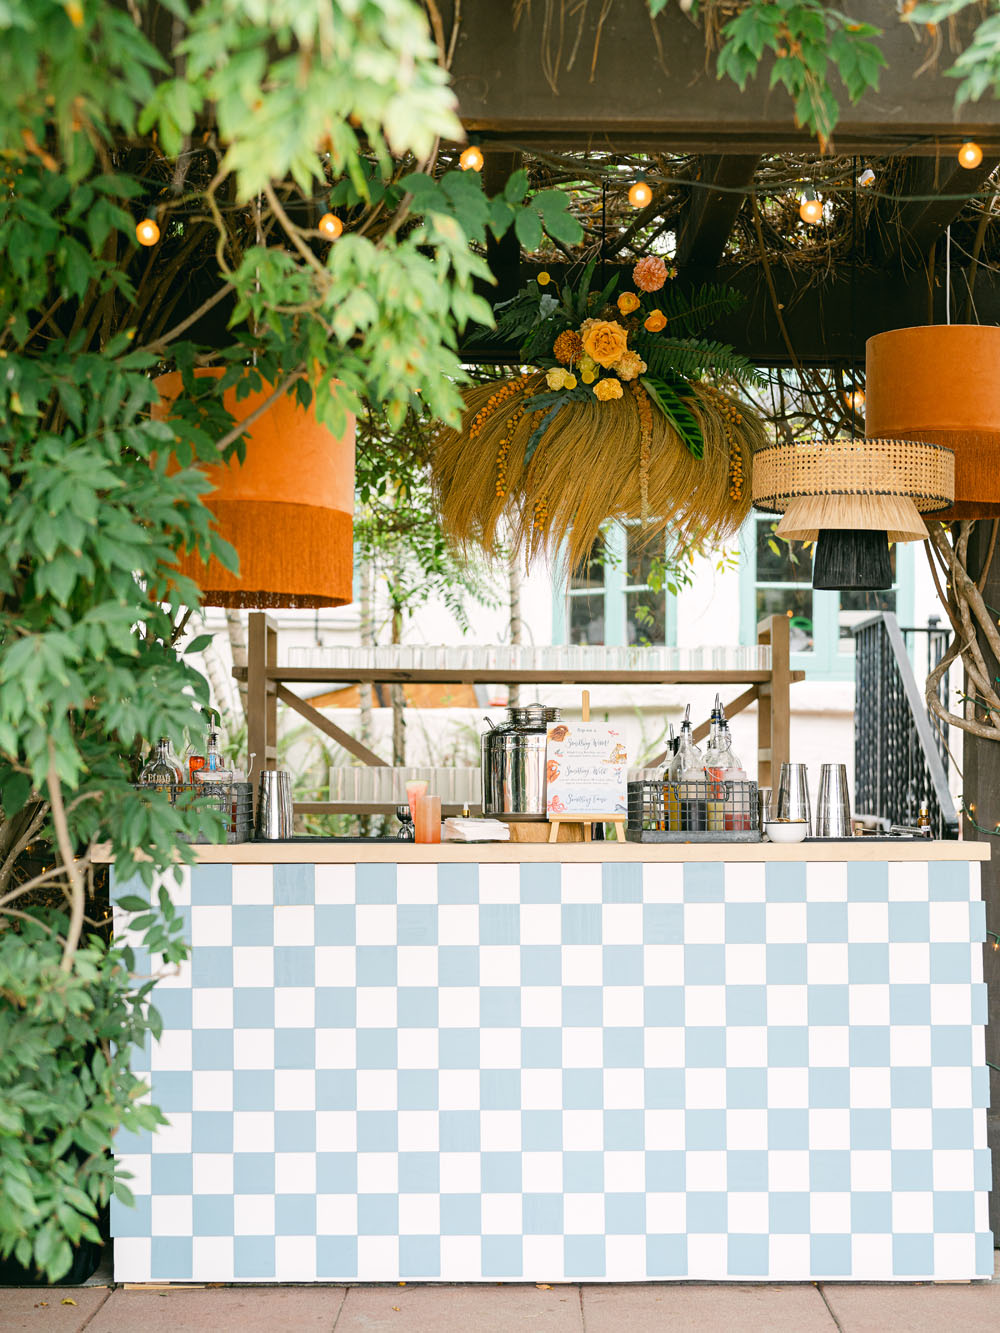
x=795 y=830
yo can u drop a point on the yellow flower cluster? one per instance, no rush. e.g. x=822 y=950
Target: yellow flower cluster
x=630 y=366
x=557 y=378
x=608 y=389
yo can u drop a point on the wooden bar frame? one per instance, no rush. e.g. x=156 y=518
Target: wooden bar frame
x=267 y=685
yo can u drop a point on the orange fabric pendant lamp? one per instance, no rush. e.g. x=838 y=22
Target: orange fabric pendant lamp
x=940 y=383
x=288 y=508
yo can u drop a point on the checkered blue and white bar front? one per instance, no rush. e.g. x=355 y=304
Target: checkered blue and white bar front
x=581 y=1071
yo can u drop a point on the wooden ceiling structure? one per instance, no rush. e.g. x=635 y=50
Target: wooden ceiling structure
x=593 y=83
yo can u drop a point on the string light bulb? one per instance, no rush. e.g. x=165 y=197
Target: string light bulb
x=811 y=208
x=970 y=155
x=640 y=194
x=147 y=232
x=330 y=225
x=471 y=158
x=856 y=400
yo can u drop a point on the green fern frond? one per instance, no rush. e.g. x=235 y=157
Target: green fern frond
x=689 y=312
x=694 y=357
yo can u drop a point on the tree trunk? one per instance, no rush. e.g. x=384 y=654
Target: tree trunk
x=238 y=645
x=516 y=624
x=981 y=790
x=367 y=632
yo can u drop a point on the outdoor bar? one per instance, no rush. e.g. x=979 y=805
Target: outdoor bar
x=413 y=415
x=593 y=1062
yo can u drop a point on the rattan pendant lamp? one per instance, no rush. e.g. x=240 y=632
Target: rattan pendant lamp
x=852 y=498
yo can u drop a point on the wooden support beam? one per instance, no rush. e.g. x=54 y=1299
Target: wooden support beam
x=322 y=723
x=774 y=706
x=818 y=313
x=709 y=214
x=615 y=79
x=262 y=702
x=503 y=255
x=907 y=231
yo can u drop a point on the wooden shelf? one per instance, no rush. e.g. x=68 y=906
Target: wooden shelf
x=400 y=676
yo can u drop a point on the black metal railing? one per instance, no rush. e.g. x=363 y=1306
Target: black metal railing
x=900 y=749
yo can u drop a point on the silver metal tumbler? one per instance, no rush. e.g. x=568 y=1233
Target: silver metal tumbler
x=274 y=805
x=764 y=798
x=833 y=805
x=793 y=794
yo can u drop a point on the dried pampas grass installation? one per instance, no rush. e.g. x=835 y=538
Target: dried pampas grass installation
x=590 y=467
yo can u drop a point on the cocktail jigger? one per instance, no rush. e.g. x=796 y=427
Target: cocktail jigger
x=793 y=794
x=833 y=805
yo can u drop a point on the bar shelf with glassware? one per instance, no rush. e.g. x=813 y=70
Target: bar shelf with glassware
x=689 y=811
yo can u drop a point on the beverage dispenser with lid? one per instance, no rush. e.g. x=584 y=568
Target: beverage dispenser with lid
x=513 y=764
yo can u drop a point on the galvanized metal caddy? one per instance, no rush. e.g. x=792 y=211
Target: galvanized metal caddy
x=233 y=800
x=693 y=812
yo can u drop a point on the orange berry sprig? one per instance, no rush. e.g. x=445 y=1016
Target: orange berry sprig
x=504 y=450
x=645 y=440
x=731 y=418
x=507 y=390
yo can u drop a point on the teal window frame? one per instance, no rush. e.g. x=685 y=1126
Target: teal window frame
x=616 y=589
x=825 y=662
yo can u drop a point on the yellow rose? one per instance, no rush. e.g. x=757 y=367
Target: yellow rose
x=608 y=389
x=627 y=302
x=556 y=378
x=569 y=380
x=630 y=365
x=605 y=341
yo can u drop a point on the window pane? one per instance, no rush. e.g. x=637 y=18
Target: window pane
x=646 y=617
x=856 y=607
x=586 y=618
x=796 y=603
x=590 y=572
x=641 y=560
x=780 y=561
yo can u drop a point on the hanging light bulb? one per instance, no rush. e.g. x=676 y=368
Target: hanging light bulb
x=147 y=232
x=330 y=225
x=970 y=155
x=640 y=194
x=471 y=159
x=811 y=207
x=856 y=400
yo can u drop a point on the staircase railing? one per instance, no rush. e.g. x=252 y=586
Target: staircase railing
x=900 y=754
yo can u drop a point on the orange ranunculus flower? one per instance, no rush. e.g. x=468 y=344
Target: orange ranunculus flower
x=605 y=341
x=650 y=274
x=655 y=322
x=627 y=302
x=608 y=389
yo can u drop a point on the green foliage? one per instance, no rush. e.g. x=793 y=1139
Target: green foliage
x=978 y=66
x=809 y=39
x=667 y=399
x=691 y=311
x=691 y=358
x=65 y=1088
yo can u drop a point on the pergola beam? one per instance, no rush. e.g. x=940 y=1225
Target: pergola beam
x=827 y=320
x=908 y=231
x=709 y=214
x=615 y=80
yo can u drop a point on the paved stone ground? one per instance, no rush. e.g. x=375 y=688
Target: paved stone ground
x=829 y=1308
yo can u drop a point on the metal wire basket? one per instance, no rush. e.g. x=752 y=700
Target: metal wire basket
x=693 y=812
x=232 y=799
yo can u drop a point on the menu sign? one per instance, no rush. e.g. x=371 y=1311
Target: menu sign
x=586 y=771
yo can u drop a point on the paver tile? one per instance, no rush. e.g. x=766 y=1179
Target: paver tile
x=706 y=1309
x=972 y=1307
x=222 y=1310
x=22 y=1309
x=475 y=1309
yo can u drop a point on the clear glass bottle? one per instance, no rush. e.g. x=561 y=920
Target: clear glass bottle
x=715 y=804
x=175 y=763
x=729 y=769
x=686 y=768
x=159 y=771
x=215 y=769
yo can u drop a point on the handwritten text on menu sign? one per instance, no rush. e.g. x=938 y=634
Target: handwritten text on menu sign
x=586 y=770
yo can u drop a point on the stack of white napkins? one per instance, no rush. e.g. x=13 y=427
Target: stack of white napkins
x=458 y=829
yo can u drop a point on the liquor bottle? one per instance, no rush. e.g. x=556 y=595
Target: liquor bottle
x=663 y=777
x=714 y=813
x=174 y=762
x=687 y=768
x=159 y=771
x=215 y=769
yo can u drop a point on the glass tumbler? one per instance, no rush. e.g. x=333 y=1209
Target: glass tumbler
x=427 y=825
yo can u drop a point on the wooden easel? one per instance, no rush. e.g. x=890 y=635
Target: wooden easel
x=587 y=820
